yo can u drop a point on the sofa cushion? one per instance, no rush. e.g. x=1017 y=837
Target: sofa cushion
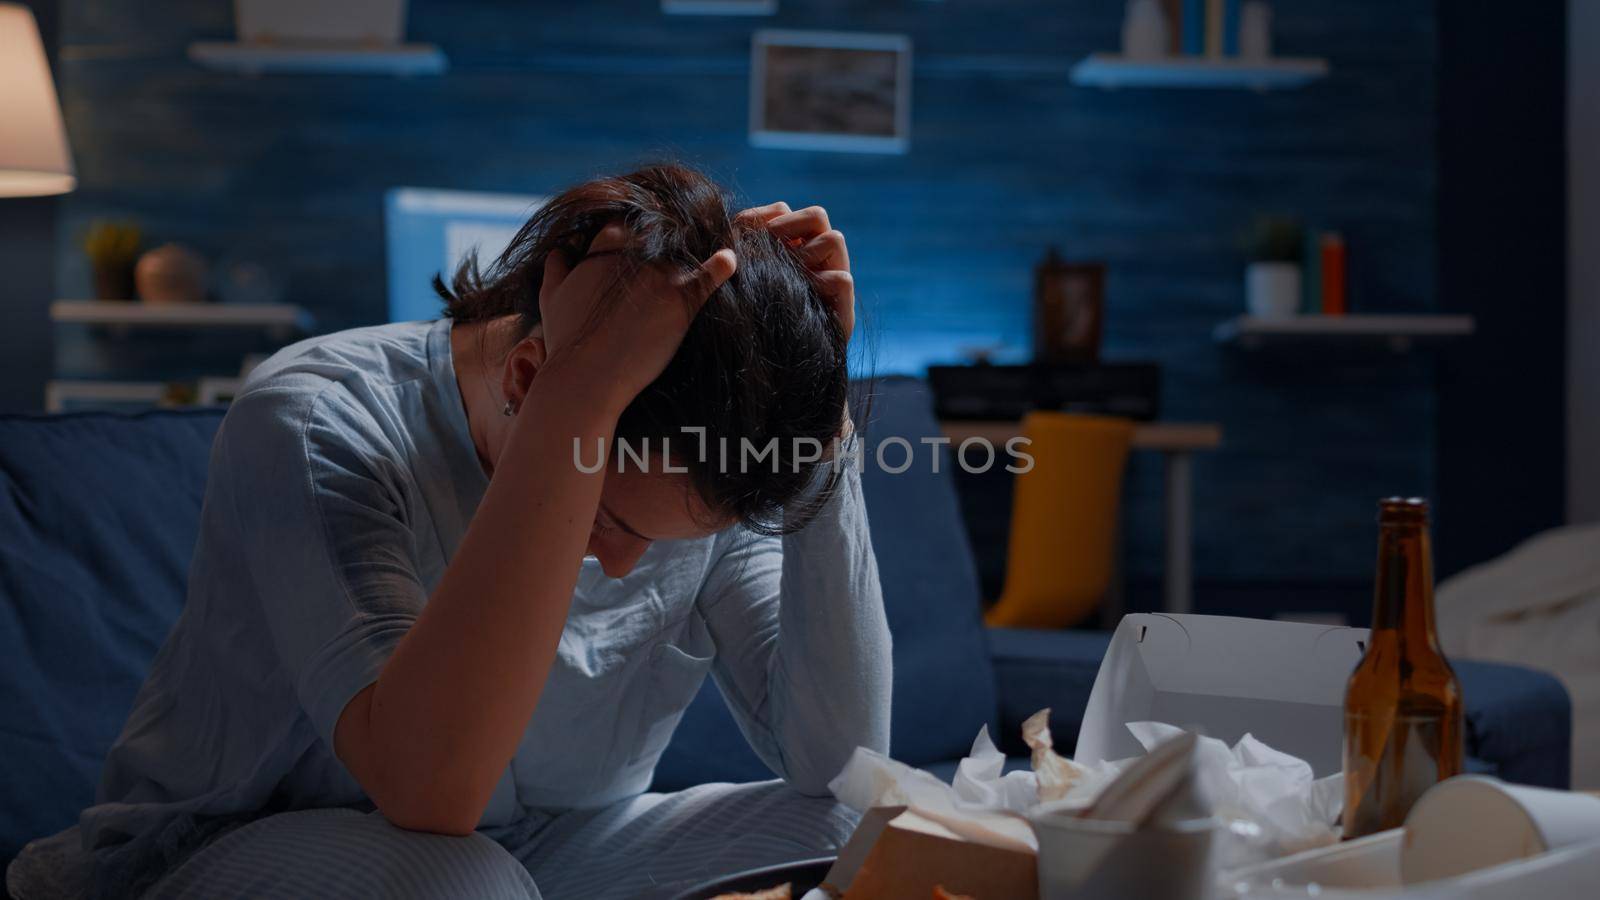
x=1036 y=669
x=1519 y=722
x=944 y=684
x=97 y=525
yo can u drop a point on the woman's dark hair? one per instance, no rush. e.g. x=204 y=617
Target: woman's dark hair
x=764 y=360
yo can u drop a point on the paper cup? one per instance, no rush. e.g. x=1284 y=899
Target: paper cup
x=1094 y=859
x=1472 y=822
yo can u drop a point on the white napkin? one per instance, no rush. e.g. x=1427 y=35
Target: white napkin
x=981 y=781
x=1268 y=801
x=974 y=808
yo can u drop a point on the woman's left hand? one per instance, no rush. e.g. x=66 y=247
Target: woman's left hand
x=823 y=249
x=820 y=245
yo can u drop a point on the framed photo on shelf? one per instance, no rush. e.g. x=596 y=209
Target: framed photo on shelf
x=830 y=90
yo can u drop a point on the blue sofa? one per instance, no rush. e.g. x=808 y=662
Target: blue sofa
x=97 y=523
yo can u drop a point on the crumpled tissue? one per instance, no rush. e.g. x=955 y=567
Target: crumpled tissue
x=1267 y=803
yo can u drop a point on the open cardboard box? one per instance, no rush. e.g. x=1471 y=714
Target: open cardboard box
x=1224 y=677
x=901 y=853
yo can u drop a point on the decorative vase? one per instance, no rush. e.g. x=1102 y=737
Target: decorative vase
x=1068 y=308
x=1272 y=289
x=1144 y=30
x=1255 y=30
x=171 y=273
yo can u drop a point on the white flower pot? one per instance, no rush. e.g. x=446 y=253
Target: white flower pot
x=1255 y=30
x=1144 y=30
x=1272 y=289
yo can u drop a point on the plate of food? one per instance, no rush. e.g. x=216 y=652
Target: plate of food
x=789 y=881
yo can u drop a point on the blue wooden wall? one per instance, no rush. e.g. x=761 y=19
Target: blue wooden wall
x=1007 y=157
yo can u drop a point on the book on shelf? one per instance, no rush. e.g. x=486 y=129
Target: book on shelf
x=1173 y=11
x=1194 y=27
x=1230 y=27
x=1331 y=267
x=1213 y=28
x=1311 y=278
x=1208 y=28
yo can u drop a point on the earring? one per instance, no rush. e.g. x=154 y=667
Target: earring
x=508 y=410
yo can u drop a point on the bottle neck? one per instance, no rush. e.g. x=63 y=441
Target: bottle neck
x=1403 y=596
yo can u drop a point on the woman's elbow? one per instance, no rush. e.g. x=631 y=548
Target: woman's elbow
x=412 y=792
x=812 y=774
x=809 y=786
x=433 y=815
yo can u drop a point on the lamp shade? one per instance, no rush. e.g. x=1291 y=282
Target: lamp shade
x=34 y=158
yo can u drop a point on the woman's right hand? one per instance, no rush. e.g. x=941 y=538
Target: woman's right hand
x=621 y=335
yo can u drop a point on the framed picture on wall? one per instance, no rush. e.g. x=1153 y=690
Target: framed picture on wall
x=719 y=7
x=830 y=90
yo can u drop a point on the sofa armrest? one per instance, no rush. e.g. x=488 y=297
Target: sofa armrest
x=1519 y=721
x=1034 y=669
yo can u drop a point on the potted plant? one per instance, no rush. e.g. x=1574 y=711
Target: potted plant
x=112 y=248
x=1272 y=278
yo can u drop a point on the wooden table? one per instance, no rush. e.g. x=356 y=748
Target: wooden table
x=1177 y=442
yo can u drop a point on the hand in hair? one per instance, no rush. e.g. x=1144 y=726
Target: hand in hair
x=820 y=245
x=765 y=360
x=626 y=338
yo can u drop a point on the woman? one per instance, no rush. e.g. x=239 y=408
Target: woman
x=432 y=649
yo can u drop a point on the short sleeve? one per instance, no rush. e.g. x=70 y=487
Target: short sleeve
x=319 y=505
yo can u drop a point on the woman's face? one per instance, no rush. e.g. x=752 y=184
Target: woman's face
x=638 y=508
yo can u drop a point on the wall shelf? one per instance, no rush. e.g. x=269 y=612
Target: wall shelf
x=1399 y=332
x=348 y=59
x=276 y=318
x=63 y=395
x=1109 y=70
x=67 y=394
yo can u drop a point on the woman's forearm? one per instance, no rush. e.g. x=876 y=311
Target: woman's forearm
x=431 y=738
x=832 y=675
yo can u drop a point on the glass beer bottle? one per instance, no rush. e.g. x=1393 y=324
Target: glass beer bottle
x=1402 y=706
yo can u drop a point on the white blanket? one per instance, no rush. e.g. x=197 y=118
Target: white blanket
x=1538 y=606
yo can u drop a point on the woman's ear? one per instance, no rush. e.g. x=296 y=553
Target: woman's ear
x=522 y=365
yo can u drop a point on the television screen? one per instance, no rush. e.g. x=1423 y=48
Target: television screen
x=430 y=231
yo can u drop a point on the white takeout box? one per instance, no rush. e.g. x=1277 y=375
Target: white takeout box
x=1471 y=822
x=1369 y=869
x=1224 y=677
x=1468 y=837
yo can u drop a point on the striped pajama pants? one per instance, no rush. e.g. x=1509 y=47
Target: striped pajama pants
x=650 y=846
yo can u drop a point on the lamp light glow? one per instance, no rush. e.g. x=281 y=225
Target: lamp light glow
x=35 y=159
